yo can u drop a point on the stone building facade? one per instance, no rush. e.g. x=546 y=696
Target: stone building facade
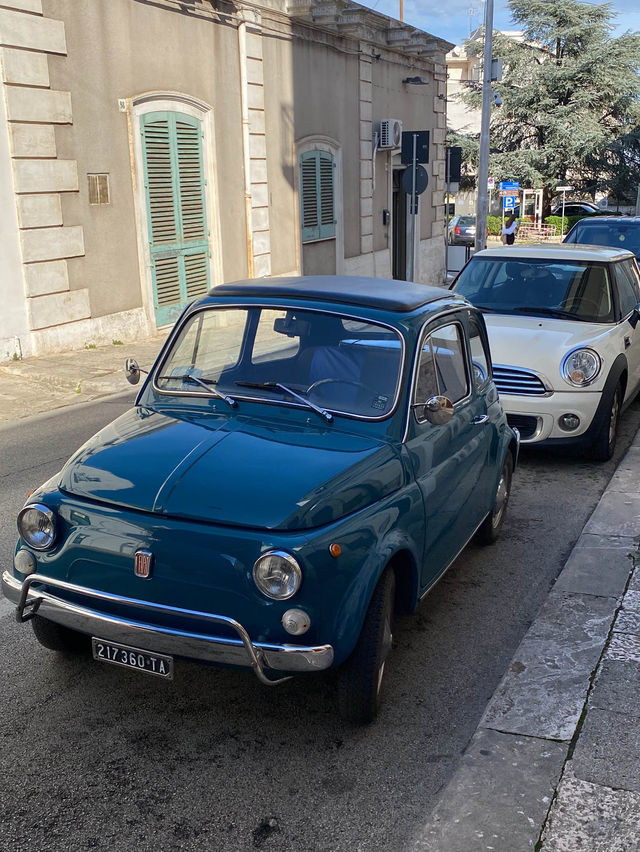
x=149 y=151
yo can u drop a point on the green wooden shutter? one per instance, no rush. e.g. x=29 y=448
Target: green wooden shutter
x=317 y=195
x=177 y=220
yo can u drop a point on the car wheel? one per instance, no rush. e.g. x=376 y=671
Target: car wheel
x=55 y=637
x=492 y=524
x=605 y=441
x=360 y=677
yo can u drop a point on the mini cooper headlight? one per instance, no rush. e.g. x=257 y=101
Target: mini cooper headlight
x=277 y=575
x=37 y=526
x=581 y=367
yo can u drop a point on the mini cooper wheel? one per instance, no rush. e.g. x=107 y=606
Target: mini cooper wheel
x=492 y=524
x=360 y=678
x=605 y=441
x=55 y=637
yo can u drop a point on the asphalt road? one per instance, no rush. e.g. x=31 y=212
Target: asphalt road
x=95 y=757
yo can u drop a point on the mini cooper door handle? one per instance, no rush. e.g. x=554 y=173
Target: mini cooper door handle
x=481 y=418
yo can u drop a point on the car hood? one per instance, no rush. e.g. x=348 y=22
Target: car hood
x=232 y=470
x=538 y=343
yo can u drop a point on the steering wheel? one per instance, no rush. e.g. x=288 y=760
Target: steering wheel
x=339 y=382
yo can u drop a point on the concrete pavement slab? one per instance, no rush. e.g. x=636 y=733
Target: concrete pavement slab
x=617 y=513
x=498 y=797
x=608 y=750
x=39 y=384
x=602 y=571
x=628 y=620
x=544 y=690
x=624 y=646
x=617 y=687
x=586 y=817
x=626 y=476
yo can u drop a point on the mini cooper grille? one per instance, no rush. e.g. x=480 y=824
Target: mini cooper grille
x=520 y=382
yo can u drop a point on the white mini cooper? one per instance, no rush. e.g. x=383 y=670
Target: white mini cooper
x=564 y=336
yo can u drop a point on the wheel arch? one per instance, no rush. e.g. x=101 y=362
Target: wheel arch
x=397 y=551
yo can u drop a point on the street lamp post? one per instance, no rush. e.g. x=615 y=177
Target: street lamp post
x=483 y=159
x=563 y=190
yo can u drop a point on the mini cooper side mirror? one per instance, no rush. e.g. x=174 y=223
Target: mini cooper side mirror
x=132 y=371
x=438 y=410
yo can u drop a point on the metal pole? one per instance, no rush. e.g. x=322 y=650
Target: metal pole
x=483 y=162
x=446 y=222
x=564 y=195
x=412 y=221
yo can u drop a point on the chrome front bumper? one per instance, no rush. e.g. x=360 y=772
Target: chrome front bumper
x=163 y=640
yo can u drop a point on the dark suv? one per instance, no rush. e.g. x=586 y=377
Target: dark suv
x=621 y=232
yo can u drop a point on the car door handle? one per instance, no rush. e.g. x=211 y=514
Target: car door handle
x=481 y=418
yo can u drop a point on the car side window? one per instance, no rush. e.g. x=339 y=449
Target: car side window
x=480 y=360
x=442 y=370
x=628 y=291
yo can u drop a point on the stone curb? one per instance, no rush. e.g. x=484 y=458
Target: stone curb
x=552 y=766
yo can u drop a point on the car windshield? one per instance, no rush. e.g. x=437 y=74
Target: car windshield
x=565 y=289
x=615 y=234
x=324 y=361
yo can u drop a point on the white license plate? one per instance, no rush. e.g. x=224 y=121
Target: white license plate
x=132 y=658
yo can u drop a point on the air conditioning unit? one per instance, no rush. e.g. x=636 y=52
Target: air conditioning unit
x=390 y=133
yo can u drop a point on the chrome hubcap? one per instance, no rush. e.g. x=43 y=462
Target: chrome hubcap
x=613 y=420
x=387 y=639
x=501 y=500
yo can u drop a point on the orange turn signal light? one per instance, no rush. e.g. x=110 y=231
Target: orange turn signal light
x=335 y=550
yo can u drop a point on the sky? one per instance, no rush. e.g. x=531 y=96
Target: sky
x=455 y=19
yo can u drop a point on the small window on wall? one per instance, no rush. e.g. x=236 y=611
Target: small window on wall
x=317 y=208
x=98 y=189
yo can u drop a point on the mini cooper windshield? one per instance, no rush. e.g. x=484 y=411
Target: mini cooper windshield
x=322 y=361
x=563 y=289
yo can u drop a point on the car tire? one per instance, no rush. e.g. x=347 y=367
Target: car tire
x=604 y=442
x=489 y=531
x=360 y=678
x=55 y=637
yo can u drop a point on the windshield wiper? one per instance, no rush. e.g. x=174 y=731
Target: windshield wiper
x=547 y=312
x=279 y=386
x=205 y=383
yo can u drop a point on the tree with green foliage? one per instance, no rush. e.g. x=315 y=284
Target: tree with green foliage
x=570 y=100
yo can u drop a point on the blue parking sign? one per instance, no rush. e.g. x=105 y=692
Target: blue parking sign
x=509 y=202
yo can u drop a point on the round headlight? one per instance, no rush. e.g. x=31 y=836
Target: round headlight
x=37 y=526
x=277 y=575
x=581 y=367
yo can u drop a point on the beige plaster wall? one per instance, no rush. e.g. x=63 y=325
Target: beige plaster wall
x=281 y=154
x=331 y=109
x=119 y=49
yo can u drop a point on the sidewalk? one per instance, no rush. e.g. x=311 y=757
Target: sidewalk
x=554 y=764
x=40 y=384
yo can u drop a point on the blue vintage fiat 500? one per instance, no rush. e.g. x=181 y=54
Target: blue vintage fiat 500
x=307 y=456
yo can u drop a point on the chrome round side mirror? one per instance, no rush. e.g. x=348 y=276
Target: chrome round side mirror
x=132 y=371
x=438 y=410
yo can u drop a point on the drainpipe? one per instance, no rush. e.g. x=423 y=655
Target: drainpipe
x=244 y=102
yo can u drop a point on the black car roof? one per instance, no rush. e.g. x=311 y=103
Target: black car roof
x=599 y=220
x=385 y=293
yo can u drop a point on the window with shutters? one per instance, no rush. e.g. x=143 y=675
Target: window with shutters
x=176 y=210
x=317 y=195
